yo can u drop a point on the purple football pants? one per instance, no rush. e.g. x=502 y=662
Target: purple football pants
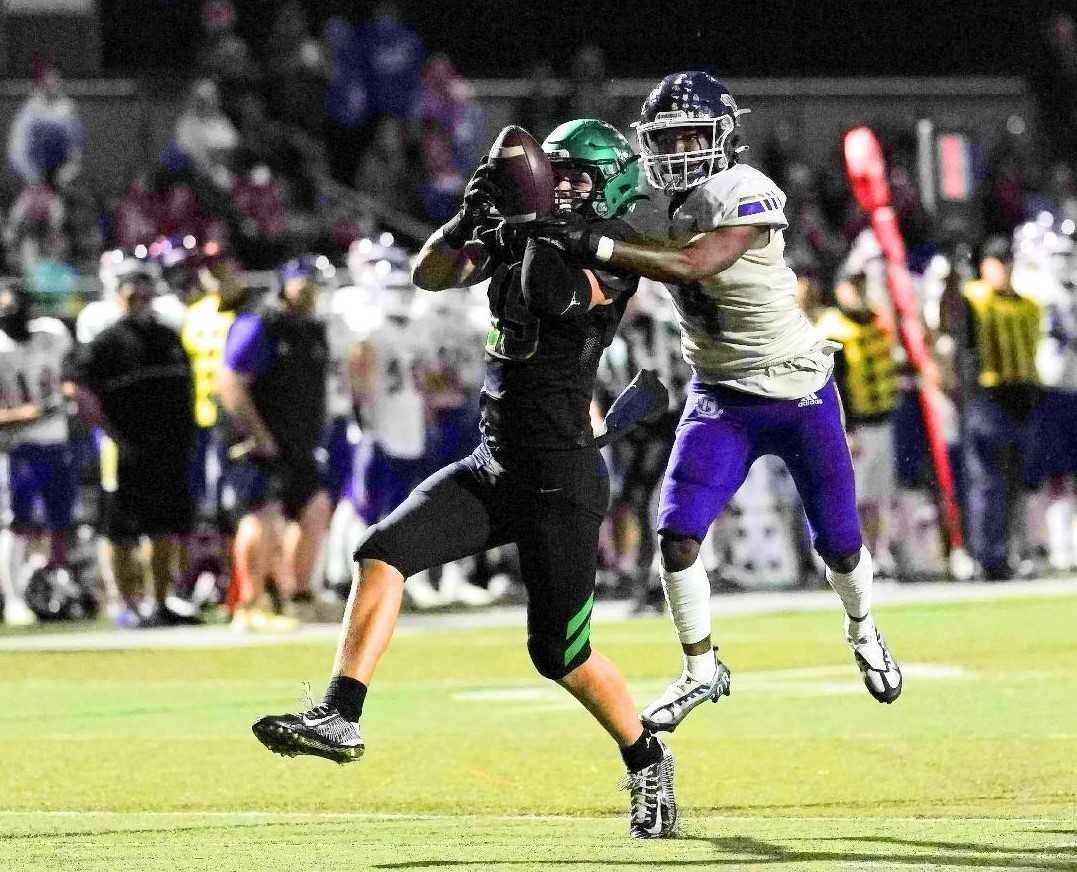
x=722 y=432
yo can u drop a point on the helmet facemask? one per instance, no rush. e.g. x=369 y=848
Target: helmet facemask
x=673 y=171
x=590 y=203
x=588 y=145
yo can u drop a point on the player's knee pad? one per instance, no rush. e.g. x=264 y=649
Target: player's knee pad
x=382 y=545
x=372 y=545
x=844 y=563
x=368 y=545
x=678 y=552
x=843 y=555
x=554 y=658
x=839 y=545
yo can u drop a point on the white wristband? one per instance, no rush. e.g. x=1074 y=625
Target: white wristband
x=604 y=249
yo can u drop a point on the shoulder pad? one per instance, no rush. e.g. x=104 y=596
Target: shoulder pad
x=49 y=326
x=739 y=195
x=95 y=318
x=649 y=218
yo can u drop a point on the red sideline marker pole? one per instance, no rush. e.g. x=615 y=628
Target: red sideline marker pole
x=866 y=169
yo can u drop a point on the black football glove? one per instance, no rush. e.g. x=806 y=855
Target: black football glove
x=481 y=196
x=570 y=232
x=503 y=241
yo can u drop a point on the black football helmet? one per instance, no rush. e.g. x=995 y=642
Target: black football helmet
x=693 y=101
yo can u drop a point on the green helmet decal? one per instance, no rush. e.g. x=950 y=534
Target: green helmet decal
x=599 y=149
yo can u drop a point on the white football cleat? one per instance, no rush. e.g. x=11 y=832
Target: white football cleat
x=677 y=700
x=420 y=593
x=455 y=588
x=18 y=614
x=882 y=675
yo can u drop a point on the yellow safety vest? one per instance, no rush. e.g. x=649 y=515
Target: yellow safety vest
x=204 y=331
x=1006 y=329
x=869 y=384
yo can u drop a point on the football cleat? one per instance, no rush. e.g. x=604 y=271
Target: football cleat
x=677 y=700
x=18 y=614
x=652 y=807
x=320 y=731
x=250 y=619
x=882 y=675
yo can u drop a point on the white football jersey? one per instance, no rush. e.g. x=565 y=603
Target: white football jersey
x=743 y=327
x=1056 y=354
x=342 y=335
x=96 y=317
x=32 y=372
x=650 y=332
x=394 y=411
x=456 y=324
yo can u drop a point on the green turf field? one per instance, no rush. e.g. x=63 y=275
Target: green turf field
x=132 y=760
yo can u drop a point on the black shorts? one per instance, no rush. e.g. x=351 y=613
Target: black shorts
x=152 y=498
x=550 y=504
x=250 y=485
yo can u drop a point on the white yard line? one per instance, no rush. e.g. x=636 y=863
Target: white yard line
x=390 y=816
x=761 y=602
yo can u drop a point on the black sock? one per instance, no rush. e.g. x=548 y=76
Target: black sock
x=346 y=695
x=644 y=752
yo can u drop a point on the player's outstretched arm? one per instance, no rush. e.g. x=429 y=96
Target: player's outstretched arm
x=451 y=258
x=705 y=255
x=439 y=266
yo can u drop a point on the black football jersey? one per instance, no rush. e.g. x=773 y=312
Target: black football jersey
x=540 y=370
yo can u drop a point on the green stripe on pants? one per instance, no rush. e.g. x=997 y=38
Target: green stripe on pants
x=577 y=619
x=580 y=619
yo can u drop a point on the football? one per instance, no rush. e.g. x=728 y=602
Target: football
x=523 y=172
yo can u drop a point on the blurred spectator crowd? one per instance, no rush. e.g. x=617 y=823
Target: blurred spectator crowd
x=207 y=281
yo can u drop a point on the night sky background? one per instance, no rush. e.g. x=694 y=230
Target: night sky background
x=645 y=38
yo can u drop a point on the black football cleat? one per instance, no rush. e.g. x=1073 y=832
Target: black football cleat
x=652 y=807
x=319 y=732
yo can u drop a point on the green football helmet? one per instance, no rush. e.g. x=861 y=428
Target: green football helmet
x=597 y=148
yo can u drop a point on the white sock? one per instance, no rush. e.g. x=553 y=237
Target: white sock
x=345 y=528
x=700 y=666
x=1059 y=523
x=688 y=592
x=10 y=561
x=854 y=590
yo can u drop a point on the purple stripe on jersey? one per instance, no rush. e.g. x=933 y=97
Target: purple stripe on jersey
x=247 y=349
x=753 y=208
x=722 y=432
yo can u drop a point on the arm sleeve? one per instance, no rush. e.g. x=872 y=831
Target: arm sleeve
x=247 y=349
x=552 y=287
